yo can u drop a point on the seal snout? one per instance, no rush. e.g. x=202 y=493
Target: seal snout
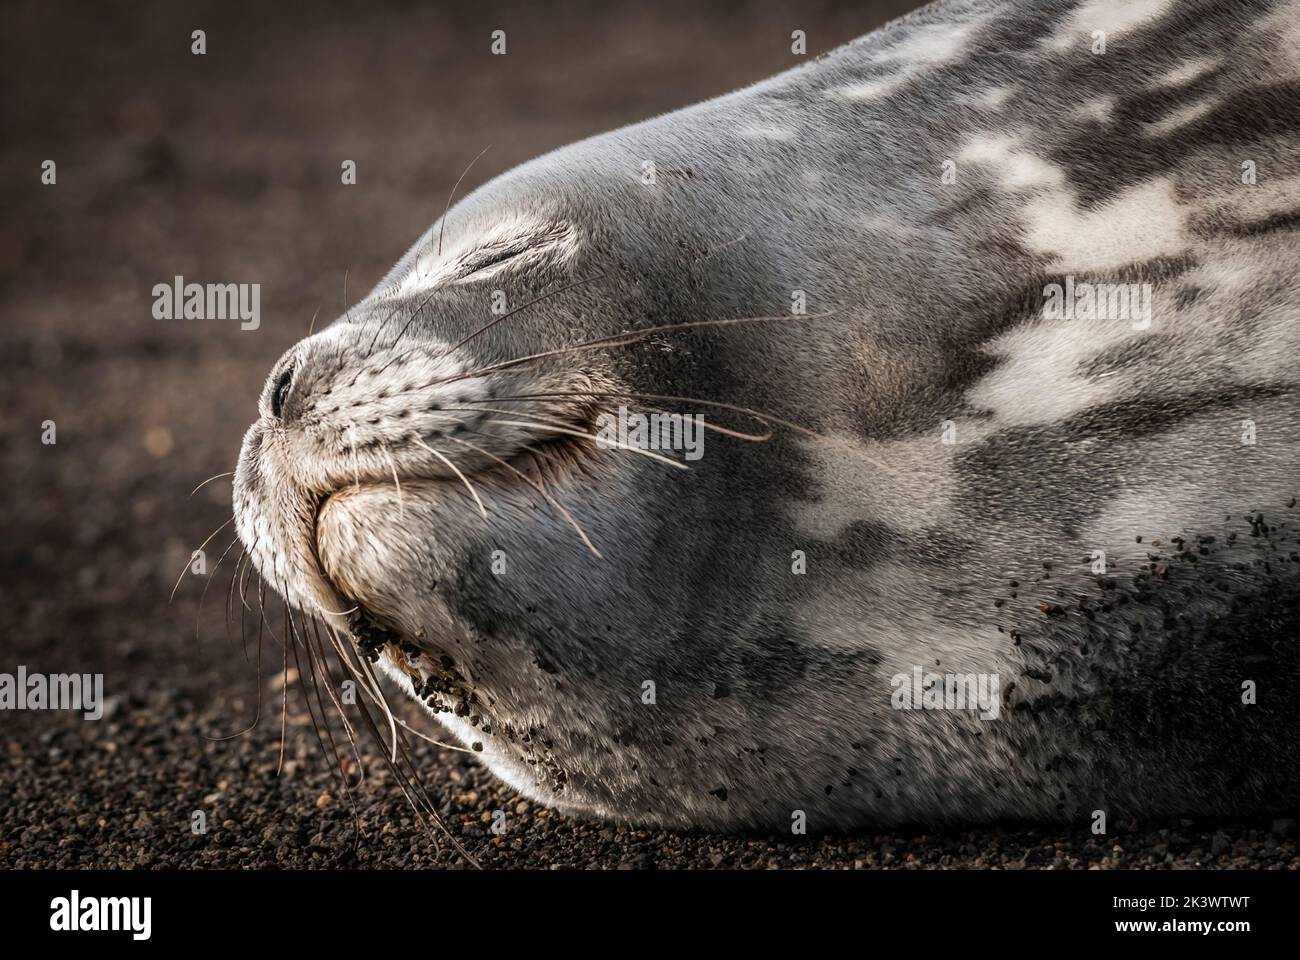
x=369 y=440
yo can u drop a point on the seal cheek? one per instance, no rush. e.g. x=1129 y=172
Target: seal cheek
x=376 y=549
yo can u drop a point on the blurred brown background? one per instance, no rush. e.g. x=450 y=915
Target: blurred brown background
x=226 y=168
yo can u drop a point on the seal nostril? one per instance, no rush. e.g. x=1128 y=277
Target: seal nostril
x=281 y=391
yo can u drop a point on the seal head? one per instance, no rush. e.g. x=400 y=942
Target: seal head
x=1005 y=550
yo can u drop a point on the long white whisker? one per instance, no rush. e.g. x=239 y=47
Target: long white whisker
x=591 y=436
x=388 y=710
x=229 y=473
x=439 y=743
x=540 y=489
x=191 y=559
x=401 y=509
x=453 y=468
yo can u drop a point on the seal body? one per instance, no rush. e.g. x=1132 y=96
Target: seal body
x=1031 y=269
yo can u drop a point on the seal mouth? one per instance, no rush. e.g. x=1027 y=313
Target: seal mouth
x=537 y=469
x=550 y=459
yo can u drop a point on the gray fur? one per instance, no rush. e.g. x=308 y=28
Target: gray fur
x=1120 y=691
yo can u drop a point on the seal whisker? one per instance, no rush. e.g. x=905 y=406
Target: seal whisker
x=392 y=464
x=329 y=688
x=540 y=453
x=417 y=789
x=487 y=326
x=228 y=473
x=238 y=577
x=361 y=677
x=412 y=787
x=242 y=567
x=626 y=338
x=239 y=562
x=191 y=559
x=257 y=712
x=456 y=470
x=249 y=570
x=284 y=676
x=629 y=337
x=384 y=704
x=203 y=595
x=540 y=489
x=723 y=246
x=401 y=333
x=591 y=436
x=737 y=434
x=524 y=306
x=345 y=664
x=340 y=613
x=243 y=599
x=315 y=666
x=756 y=414
x=439 y=743
x=534 y=450
x=617 y=394
x=336 y=767
x=442 y=225
x=421 y=388
x=246 y=562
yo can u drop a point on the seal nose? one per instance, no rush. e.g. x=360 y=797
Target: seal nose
x=280 y=392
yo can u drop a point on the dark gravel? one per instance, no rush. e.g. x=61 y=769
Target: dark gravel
x=121 y=793
x=225 y=167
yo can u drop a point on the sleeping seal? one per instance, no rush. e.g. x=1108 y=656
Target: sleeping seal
x=996 y=509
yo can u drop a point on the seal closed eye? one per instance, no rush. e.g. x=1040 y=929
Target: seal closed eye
x=281 y=391
x=997 y=514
